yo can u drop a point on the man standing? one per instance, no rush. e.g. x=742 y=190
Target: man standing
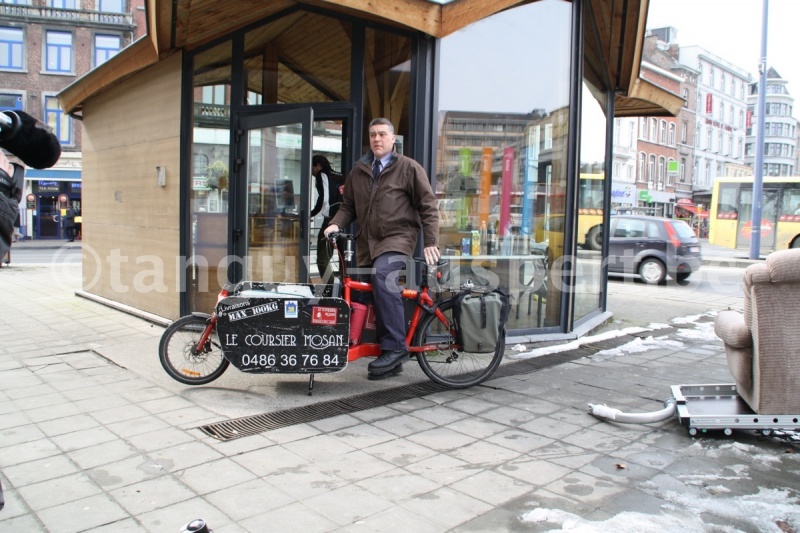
x=391 y=197
x=329 y=185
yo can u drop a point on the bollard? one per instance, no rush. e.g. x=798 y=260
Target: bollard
x=196 y=526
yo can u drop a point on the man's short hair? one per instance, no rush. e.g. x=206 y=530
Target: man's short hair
x=382 y=121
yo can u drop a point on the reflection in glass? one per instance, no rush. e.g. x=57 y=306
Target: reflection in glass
x=591 y=192
x=208 y=199
x=588 y=280
x=273 y=188
x=502 y=154
x=387 y=79
x=302 y=57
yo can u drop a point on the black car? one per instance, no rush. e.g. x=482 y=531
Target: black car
x=653 y=247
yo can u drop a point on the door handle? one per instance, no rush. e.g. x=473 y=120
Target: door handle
x=303 y=224
x=237 y=232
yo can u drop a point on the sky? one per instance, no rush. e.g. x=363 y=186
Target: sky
x=731 y=30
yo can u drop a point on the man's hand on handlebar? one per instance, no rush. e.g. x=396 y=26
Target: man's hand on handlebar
x=431 y=254
x=333 y=228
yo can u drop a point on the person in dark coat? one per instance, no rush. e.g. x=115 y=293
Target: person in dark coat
x=69 y=224
x=391 y=197
x=330 y=186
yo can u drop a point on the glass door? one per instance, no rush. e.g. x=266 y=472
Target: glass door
x=272 y=218
x=329 y=143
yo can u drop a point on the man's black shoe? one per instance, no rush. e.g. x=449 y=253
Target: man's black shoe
x=393 y=372
x=387 y=361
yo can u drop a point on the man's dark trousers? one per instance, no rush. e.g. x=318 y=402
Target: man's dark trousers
x=390 y=318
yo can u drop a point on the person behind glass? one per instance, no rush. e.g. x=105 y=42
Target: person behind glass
x=330 y=185
x=391 y=198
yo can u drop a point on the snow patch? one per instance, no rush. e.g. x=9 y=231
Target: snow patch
x=637 y=345
x=761 y=511
x=538 y=352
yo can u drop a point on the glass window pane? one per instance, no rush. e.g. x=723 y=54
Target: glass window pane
x=589 y=281
x=307 y=60
x=502 y=150
x=11 y=46
x=60 y=122
x=209 y=174
x=111 y=6
x=387 y=65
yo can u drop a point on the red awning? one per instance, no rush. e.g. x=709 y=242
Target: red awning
x=688 y=207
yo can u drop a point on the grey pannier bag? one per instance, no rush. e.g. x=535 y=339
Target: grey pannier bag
x=480 y=320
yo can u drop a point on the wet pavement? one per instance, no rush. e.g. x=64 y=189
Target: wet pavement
x=95 y=437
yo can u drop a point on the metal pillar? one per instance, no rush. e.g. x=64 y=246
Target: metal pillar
x=755 y=229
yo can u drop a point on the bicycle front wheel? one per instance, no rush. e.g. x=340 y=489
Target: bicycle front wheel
x=447 y=364
x=182 y=356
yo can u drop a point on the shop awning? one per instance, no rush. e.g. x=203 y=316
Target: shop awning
x=688 y=205
x=52 y=174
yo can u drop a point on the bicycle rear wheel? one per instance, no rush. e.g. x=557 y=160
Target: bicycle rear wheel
x=446 y=364
x=183 y=359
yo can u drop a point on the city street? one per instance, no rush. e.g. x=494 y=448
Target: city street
x=95 y=437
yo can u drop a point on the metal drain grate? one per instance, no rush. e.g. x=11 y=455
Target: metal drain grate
x=251 y=425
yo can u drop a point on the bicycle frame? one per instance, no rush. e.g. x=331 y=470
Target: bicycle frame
x=211 y=319
x=422 y=299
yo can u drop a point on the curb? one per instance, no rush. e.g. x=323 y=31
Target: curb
x=737 y=262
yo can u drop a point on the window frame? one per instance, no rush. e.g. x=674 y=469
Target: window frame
x=100 y=6
x=61 y=120
x=12 y=46
x=51 y=3
x=106 y=51
x=59 y=49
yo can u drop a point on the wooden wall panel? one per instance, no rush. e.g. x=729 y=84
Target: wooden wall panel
x=125 y=212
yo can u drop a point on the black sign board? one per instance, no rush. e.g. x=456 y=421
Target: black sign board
x=284 y=334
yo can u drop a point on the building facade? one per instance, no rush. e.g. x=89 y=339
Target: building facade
x=720 y=117
x=626 y=155
x=657 y=150
x=45 y=45
x=216 y=185
x=780 y=127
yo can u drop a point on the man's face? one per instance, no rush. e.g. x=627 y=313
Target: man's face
x=381 y=140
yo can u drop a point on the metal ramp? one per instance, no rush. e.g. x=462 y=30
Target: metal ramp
x=719 y=407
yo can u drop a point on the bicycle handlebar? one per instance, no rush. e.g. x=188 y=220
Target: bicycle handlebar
x=332 y=236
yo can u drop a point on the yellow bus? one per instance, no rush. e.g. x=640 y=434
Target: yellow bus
x=590 y=211
x=731 y=213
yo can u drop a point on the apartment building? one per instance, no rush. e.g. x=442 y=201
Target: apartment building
x=623 y=169
x=720 y=117
x=656 y=169
x=780 y=127
x=45 y=45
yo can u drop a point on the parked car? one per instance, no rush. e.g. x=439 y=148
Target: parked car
x=653 y=247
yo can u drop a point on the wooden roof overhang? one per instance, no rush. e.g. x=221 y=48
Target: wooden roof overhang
x=175 y=25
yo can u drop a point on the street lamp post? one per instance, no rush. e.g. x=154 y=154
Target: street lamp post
x=758 y=174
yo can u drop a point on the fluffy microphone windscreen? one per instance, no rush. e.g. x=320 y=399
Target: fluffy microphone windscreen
x=33 y=143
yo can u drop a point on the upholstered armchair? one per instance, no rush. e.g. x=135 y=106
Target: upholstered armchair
x=763 y=344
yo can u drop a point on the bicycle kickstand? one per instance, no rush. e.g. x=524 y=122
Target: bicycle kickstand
x=310 y=383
